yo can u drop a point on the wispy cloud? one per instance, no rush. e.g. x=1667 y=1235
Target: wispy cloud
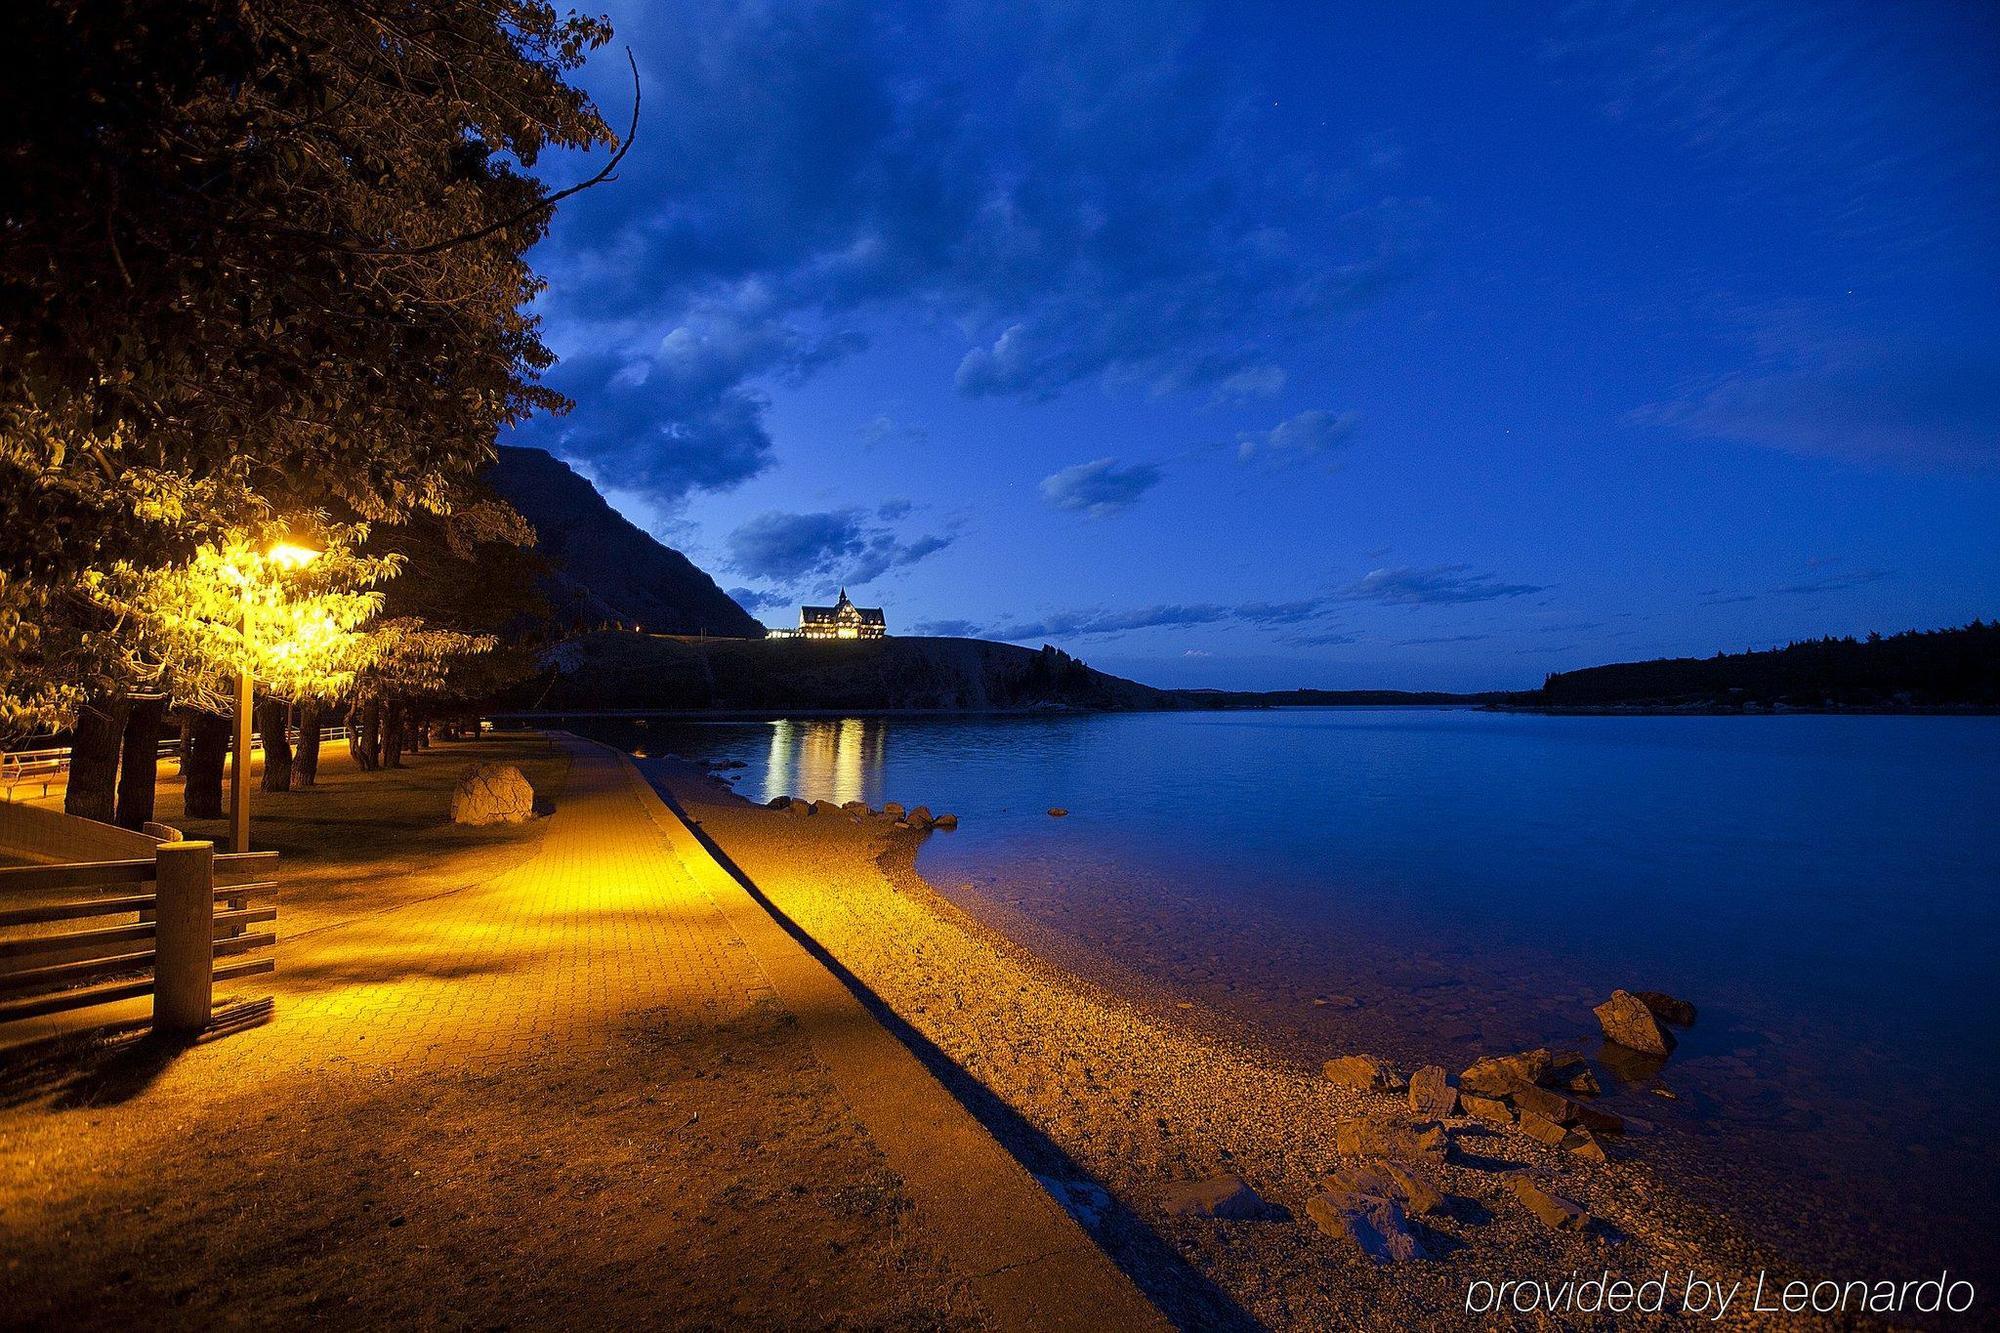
x=1309 y=435
x=804 y=168
x=839 y=545
x=1441 y=585
x=1100 y=488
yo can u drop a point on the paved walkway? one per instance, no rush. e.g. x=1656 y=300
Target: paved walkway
x=615 y=911
x=601 y=922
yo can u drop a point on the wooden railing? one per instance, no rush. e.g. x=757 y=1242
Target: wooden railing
x=45 y=766
x=190 y=925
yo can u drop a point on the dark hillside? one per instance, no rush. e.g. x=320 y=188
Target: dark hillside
x=621 y=671
x=604 y=569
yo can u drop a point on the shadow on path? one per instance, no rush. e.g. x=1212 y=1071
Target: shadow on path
x=1180 y=1292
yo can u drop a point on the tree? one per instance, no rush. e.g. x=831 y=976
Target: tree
x=262 y=257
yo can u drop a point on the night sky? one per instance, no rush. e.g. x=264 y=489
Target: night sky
x=1273 y=345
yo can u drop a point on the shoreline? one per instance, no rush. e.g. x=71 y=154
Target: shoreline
x=1139 y=1097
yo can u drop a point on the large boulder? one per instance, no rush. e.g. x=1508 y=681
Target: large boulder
x=1368 y=1136
x=1377 y=1227
x=1432 y=1097
x=1363 y=1071
x=1667 y=1008
x=492 y=794
x=1629 y=1022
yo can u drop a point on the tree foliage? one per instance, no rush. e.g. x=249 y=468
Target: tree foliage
x=258 y=259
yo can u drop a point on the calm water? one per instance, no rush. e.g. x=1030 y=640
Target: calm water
x=1437 y=884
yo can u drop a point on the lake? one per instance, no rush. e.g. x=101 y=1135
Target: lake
x=1436 y=884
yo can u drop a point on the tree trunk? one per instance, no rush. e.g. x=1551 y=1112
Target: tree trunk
x=420 y=729
x=93 y=759
x=365 y=732
x=305 y=764
x=392 y=734
x=139 y=771
x=277 y=749
x=207 y=754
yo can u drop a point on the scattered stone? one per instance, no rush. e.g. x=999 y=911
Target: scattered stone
x=1386 y=1180
x=1552 y=1210
x=778 y=802
x=1431 y=1094
x=492 y=794
x=1499 y=1075
x=1572 y=1074
x=1542 y=1102
x=1538 y=1126
x=893 y=808
x=1666 y=1008
x=1057 y=812
x=1376 y=1227
x=1582 y=1143
x=800 y=806
x=1363 y=1071
x=945 y=820
x=1486 y=1108
x=856 y=807
x=921 y=815
x=1366 y=1136
x=825 y=808
x=1627 y=1021
x=1215 y=1196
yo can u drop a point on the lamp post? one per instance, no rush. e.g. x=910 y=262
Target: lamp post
x=286 y=556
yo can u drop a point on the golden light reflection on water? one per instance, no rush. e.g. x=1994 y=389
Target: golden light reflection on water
x=824 y=759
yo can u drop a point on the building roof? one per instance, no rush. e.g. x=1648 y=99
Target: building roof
x=828 y=615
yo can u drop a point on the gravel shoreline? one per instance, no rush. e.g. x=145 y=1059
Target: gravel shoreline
x=1113 y=1102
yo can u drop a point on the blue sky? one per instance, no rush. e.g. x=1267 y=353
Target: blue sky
x=1267 y=345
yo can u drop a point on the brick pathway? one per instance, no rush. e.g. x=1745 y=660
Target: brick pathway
x=601 y=922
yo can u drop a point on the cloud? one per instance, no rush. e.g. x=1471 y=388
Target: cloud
x=1854 y=578
x=1437 y=585
x=836 y=545
x=885 y=428
x=1442 y=639
x=1100 y=623
x=1306 y=436
x=754 y=601
x=1100 y=488
x=1820 y=396
x=1078 y=195
x=947 y=629
x=1251 y=382
x=1324 y=638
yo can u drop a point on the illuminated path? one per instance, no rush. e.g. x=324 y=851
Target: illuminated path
x=521 y=963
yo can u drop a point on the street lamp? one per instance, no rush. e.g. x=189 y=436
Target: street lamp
x=285 y=555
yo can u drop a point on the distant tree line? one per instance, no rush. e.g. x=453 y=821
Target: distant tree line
x=1918 y=668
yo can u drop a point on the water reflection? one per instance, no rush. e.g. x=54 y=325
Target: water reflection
x=826 y=759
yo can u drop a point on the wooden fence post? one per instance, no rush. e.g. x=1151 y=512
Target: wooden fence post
x=184 y=939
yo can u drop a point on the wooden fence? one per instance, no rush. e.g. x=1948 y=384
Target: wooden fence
x=170 y=925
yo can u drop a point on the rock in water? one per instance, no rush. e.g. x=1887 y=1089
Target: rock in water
x=492 y=794
x=778 y=802
x=1363 y=1071
x=1215 y=1196
x=1666 y=1008
x=1552 y=1210
x=894 y=808
x=1057 y=812
x=1627 y=1021
x=945 y=820
x=1376 y=1227
x=1431 y=1095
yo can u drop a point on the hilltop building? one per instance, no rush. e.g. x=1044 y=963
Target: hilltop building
x=842 y=620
